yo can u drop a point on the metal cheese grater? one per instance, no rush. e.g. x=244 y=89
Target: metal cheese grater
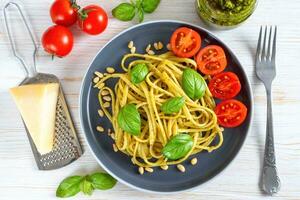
x=66 y=144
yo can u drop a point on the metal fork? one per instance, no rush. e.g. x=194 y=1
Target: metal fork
x=266 y=72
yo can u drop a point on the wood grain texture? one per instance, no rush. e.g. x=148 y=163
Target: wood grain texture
x=20 y=178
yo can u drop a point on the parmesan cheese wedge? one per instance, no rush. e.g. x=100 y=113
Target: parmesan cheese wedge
x=37 y=105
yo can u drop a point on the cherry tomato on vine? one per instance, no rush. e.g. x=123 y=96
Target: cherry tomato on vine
x=64 y=12
x=57 y=40
x=92 y=19
x=185 y=42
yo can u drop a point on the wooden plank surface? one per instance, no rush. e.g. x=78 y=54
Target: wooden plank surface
x=20 y=178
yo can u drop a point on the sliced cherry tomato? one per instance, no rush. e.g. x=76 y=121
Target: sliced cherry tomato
x=58 y=40
x=211 y=60
x=64 y=12
x=231 y=113
x=185 y=42
x=225 y=85
x=93 y=19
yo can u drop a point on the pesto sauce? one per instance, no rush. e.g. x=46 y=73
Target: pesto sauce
x=225 y=12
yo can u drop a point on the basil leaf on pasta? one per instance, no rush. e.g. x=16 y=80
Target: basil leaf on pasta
x=193 y=84
x=173 y=105
x=138 y=73
x=129 y=119
x=178 y=146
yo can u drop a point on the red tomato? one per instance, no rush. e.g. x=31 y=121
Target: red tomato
x=93 y=20
x=231 y=113
x=211 y=60
x=64 y=12
x=185 y=42
x=225 y=85
x=58 y=40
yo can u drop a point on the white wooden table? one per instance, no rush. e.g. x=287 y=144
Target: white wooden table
x=19 y=177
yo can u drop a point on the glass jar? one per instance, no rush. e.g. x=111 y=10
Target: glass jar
x=225 y=14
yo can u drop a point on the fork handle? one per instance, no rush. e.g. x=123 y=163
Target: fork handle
x=270 y=179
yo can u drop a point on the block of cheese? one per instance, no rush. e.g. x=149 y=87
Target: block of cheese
x=37 y=105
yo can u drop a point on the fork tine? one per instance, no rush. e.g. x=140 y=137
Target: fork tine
x=269 y=44
x=274 y=46
x=258 y=53
x=263 y=54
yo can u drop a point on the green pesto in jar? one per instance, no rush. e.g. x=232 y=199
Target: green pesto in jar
x=225 y=12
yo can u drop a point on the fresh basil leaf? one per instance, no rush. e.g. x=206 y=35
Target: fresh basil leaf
x=141 y=14
x=172 y=105
x=102 y=181
x=86 y=186
x=69 y=186
x=129 y=119
x=149 y=6
x=124 y=12
x=178 y=146
x=138 y=73
x=193 y=84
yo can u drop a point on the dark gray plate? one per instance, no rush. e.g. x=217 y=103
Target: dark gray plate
x=118 y=164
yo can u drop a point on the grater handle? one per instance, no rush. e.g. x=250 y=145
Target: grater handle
x=30 y=71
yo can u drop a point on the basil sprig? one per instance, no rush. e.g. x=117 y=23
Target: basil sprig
x=138 y=73
x=178 y=146
x=149 y=6
x=124 y=12
x=129 y=119
x=72 y=185
x=193 y=84
x=127 y=11
x=172 y=105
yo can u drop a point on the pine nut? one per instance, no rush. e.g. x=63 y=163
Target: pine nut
x=100 y=112
x=115 y=147
x=155 y=46
x=112 y=135
x=148 y=47
x=107 y=98
x=104 y=92
x=132 y=50
x=101 y=85
x=99 y=74
x=150 y=52
x=106 y=104
x=141 y=170
x=181 y=168
x=96 y=79
x=194 y=161
x=110 y=70
x=109 y=131
x=169 y=47
x=160 y=45
x=149 y=169
x=164 y=167
x=130 y=44
x=100 y=128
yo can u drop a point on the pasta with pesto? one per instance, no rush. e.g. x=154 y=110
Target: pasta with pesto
x=163 y=81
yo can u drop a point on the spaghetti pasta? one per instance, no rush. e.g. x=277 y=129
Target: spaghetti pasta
x=163 y=81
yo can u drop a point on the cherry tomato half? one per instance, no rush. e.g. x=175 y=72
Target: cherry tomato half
x=64 y=12
x=93 y=19
x=211 y=60
x=225 y=85
x=185 y=42
x=58 y=40
x=231 y=113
